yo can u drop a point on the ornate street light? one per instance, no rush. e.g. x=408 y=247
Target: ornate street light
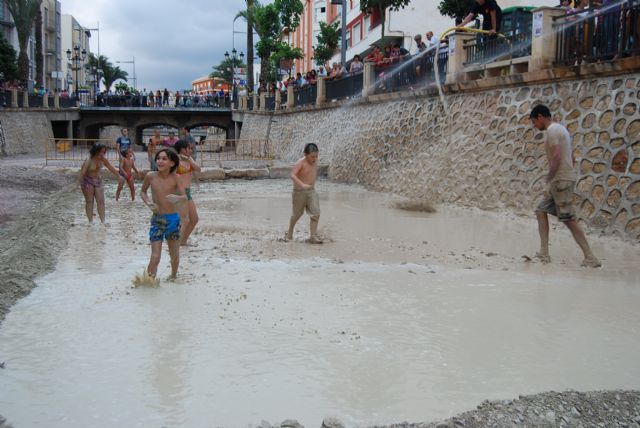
x=77 y=58
x=233 y=70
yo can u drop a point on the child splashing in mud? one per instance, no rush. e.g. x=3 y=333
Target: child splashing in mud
x=166 y=191
x=91 y=183
x=127 y=168
x=186 y=168
x=304 y=194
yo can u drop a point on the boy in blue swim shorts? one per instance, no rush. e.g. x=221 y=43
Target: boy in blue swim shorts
x=166 y=191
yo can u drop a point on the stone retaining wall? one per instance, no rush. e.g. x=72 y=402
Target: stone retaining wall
x=483 y=151
x=24 y=132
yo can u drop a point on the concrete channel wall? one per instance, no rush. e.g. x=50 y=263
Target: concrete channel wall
x=23 y=132
x=482 y=150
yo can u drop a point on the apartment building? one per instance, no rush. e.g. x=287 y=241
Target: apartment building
x=75 y=39
x=52 y=44
x=362 y=30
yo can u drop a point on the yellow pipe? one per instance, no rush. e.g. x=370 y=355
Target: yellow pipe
x=470 y=30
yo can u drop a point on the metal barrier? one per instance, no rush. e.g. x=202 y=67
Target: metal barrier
x=305 y=96
x=347 y=87
x=599 y=35
x=414 y=73
x=217 y=151
x=75 y=151
x=484 y=50
x=188 y=101
x=270 y=103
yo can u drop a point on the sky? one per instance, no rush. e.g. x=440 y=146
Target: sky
x=173 y=41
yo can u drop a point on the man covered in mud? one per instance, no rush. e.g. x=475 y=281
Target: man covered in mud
x=304 y=194
x=558 y=200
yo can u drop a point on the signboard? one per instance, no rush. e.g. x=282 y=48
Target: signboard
x=452 y=45
x=240 y=82
x=286 y=64
x=537 y=24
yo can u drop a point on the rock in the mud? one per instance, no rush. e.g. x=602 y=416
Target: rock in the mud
x=248 y=173
x=280 y=171
x=323 y=170
x=332 y=423
x=212 y=174
x=291 y=423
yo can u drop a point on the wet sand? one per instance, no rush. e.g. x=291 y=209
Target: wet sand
x=398 y=316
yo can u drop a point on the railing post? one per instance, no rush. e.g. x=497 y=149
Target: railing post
x=368 y=79
x=457 y=56
x=321 y=92
x=278 y=100
x=255 y=105
x=56 y=100
x=25 y=99
x=45 y=100
x=14 y=98
x=263 y=102
x=543 y=37
x=291 y=97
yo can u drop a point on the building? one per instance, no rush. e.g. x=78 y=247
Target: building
x=363 y=30
x=209 y=85
x=75 y=36
x=10 y=33
x=52 y=44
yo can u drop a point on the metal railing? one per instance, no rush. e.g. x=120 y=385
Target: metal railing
x=305 y=96
x=415 y=73
x=213 y=152
x=599 y=35
x=347 y=87
x=484 y=49
x=75 y=151
x=270 y=103
x=144 y=101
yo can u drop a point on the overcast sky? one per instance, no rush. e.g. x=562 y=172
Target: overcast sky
x=173 y=41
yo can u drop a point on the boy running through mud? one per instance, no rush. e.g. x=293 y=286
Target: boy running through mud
x=558 y=200
x=127 y=168
x=304 y=194
x=166 y=191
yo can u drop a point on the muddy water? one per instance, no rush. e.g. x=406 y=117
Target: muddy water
x=398 y=316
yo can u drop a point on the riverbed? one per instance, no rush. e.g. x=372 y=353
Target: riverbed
x=399 y=315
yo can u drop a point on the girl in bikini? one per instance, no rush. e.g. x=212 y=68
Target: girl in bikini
x=90 y=181
x=186 y=168
x=127 y=168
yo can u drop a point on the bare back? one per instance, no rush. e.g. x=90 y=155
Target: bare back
x=305 y=172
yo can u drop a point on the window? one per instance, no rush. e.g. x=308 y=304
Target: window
x=367 y=24
x=356 y=33
x=348 y=38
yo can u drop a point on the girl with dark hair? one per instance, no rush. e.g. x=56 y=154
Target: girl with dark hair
x=90 y=181
x=186 y=168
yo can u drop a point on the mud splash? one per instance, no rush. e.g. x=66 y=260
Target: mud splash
x=401 y=315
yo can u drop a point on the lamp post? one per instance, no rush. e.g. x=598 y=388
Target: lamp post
x=135 y=80
x=77 y=57
x=233 y=71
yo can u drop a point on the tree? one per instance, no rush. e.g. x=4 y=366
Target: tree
x=283 y=51
x=247 y=14
x=328 y=40
x=8 y=60
x=24 y=14
x=455 y=8
x=224 y=69
x=290 y=11
x=97 y=63
x=39 y=77
x=366 y=6
x=110 y=74
x=266 y=22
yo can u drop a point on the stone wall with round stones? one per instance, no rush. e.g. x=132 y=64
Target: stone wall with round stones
x=481 y=150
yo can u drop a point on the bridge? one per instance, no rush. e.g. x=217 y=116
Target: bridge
x=137 y=119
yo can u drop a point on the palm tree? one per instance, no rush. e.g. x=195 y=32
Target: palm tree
x=249 y=15
x=39 y=58
x=24 y=14
x=98 y=63
x=110 y=74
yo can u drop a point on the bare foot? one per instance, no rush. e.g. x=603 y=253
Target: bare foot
x=314 y=240
x=591 y=261
x=286 y=238
x=543 y=258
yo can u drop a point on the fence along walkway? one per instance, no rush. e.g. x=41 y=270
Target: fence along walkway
x=210 y=152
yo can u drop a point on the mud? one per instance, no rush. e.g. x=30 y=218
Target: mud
x=400 y=315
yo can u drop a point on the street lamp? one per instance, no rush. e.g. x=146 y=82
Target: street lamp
x=135 y=80
x=233 y=70
x=77 y=58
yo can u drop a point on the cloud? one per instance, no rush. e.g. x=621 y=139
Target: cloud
x=173 y=41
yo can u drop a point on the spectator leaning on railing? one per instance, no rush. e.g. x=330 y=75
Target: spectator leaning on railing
x=356 y=65
x=491 y=15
